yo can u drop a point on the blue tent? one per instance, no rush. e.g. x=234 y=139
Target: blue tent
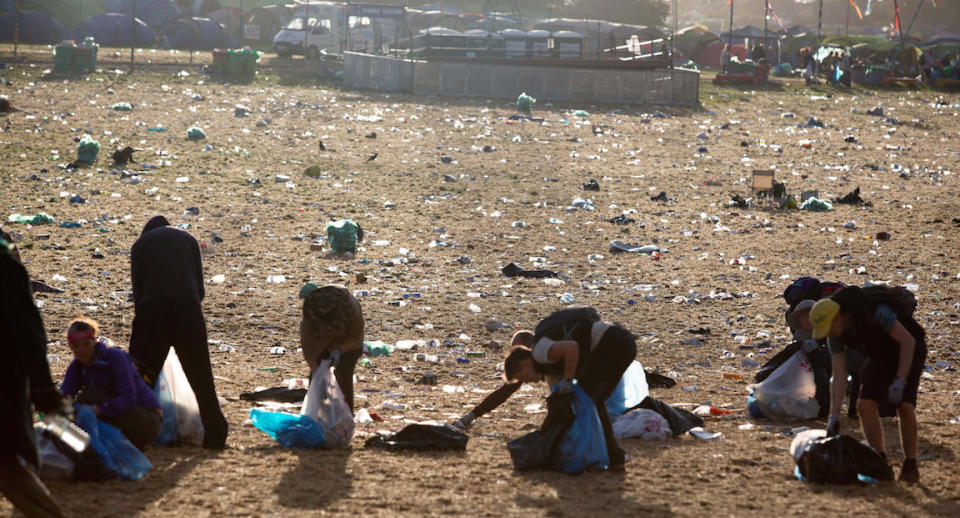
x=200 y=34
x=153 y=12
x=35 y=27
x=114 y=30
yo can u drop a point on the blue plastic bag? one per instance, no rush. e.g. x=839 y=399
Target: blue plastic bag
x=290 y=430
x=117 y=453
x=583 y=446
x=630 y=391
x=168 y=427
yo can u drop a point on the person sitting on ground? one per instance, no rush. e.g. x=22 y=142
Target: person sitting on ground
x=895 y=347
x=574 y=344
x=332 y=328
x=105 y=378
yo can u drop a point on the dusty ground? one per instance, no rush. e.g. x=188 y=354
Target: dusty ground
x=906 y=168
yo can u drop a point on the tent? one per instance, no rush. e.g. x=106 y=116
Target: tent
x=692 y=41
x=114 y=30
x=35 y=27
x=231 y=21
x=68 y=12
x=153 y=12
x=196 y=34
x=268 y=22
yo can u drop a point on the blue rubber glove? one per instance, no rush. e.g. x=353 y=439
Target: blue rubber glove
x=895 y=392
x=833 y=426
x=564 y=386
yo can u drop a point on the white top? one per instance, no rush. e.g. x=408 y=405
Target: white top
x=541 y=350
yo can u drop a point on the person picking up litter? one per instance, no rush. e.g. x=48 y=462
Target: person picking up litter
x=895 y=347
x=105 y=378
x=332 y=328
x=574 y=344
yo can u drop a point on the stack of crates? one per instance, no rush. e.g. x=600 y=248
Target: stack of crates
x=70 y=57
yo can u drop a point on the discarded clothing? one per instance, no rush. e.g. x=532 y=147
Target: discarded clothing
x=421 y=437
x=512 y=270
x=621 y=220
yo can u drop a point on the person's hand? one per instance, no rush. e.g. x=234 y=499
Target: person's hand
x=48 y=400
x=809 y=346
x=334 y=356
x=564 y=386
x=895 y=392
x=833 y=426
x=465 y=422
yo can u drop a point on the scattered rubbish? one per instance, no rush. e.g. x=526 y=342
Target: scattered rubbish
x=87 y=149
x=39 y=218
x=512 y=270
x=621 y=220
x=816 y=205
x=121 y=106
x=619 y=246
x=591 y=185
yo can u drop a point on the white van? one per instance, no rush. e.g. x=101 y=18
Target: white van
x=318 y=26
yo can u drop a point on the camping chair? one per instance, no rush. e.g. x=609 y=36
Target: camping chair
x=762 y=181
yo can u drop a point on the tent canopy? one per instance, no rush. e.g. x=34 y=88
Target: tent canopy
x=153 y=12
x=68 y=12
x=196 y=34
x=115 y=30
x=35 y=27
x=270 y=20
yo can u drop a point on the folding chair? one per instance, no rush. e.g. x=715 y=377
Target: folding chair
x=762 y=181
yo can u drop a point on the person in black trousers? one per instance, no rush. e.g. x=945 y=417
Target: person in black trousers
x=573 y=344
x=24 y=377
x=167 y=277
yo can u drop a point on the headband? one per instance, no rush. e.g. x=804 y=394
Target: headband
x=78 y=336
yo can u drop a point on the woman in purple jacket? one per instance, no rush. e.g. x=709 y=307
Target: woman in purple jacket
x=106 y=379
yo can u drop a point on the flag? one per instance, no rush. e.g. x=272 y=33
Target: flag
x=774 y=15
x=859 y=14
x=896 y=17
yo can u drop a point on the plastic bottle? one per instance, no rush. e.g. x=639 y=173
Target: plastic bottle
x=71 y=434
x=423 y=357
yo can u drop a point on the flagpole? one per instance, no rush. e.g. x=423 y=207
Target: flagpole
x=820 y=23
x=848 y=20
x=730 y=34
x=766 y=9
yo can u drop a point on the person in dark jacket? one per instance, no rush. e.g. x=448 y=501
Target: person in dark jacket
x=105 y=378
x=167 y=277
x=24 y=377
x=574 y=344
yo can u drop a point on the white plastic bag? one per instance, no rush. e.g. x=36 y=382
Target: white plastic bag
x=173 y=384
x=326 y=405
x=642 y=423
x=800 y=442
x=789 y=392
x=54 y=465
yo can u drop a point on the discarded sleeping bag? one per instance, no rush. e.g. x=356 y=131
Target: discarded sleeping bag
x=570 y=440
x=117 y=454
x=680 y=421
x=421 y=437
x=836 y=460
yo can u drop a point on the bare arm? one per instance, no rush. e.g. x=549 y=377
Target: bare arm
x=838 y=385
x=907 y=345
x=569 y=352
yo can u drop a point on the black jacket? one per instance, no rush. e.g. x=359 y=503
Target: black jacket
x=165 y=263
x=24 y=371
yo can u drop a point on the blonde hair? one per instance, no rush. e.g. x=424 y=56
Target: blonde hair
x=84 y=323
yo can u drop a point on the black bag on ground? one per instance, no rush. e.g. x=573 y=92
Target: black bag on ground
x=278 y=394
x=839 y=459
x=421 y=437
x=655 y=380
x=535 y=450
x=680 y=420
